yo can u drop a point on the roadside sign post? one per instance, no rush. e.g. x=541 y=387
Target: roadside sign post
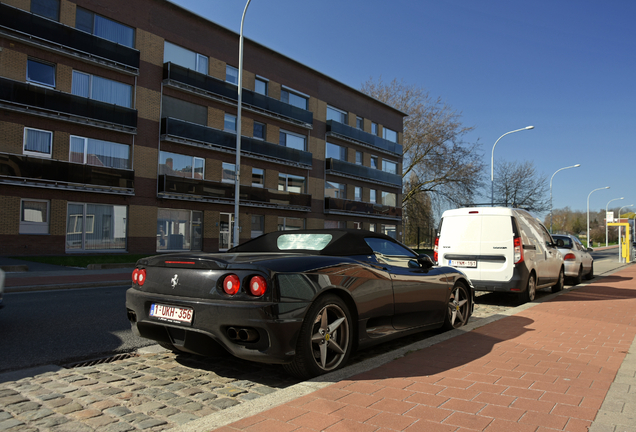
x=623 y=250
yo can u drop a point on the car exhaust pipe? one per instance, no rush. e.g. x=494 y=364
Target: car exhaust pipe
x=232 y=333
x=247 y=335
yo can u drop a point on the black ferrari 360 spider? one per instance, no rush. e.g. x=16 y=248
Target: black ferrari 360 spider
x=304 y=299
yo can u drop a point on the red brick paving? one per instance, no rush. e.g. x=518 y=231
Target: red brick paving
x=546 y=368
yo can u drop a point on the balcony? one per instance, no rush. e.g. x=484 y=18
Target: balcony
x=45 y=102
x=194 y=134
x=20 y=170
x=359 y=172
x=357 y=136
x=172 y=187
x=217 y=89
x=343 y=206
x=35 y=30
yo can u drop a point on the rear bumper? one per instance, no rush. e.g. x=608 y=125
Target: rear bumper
x=517 y=283
x=277 y=334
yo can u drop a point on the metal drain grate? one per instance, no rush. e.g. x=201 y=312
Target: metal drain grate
x=102 y=360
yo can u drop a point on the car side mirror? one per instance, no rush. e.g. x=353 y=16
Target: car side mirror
x=590 y=250
x=423 y=262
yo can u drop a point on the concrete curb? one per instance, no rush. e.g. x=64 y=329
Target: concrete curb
x=256 y=406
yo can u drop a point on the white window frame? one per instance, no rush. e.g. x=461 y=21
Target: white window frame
x=85 y=151
x=40 y=83
x=29 y=227
x=264 y=131
x=388 y=134
x=359 y=123
x=357 y=193
x=194 y=165
x=262 y=172
x=265 y=81
x=343 y=114
x=90 y=88
x=373 y=196
x=374 y=128
x=198 y=58
x=292 y=176
x=361 y=159
x=227 y=166
x=342 y=152
x=304 y=138
x=373 y=158
x=34 y=153
x=296 y=93
x=389 y=166
x=225 y=121
x=233 y=69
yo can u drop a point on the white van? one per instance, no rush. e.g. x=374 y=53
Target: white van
x=500 y=249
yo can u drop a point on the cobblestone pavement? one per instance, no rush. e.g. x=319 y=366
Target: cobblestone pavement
x=160 y=391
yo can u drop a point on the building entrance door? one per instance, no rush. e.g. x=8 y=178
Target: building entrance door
x=226 y=228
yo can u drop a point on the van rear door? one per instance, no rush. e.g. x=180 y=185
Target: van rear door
x=496 y=254
x=459 y=243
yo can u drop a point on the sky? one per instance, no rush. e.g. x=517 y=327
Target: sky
x=566 y=67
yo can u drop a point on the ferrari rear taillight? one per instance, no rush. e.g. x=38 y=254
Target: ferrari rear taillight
x=135 y=275
x=231 y=284
x=258 y=285
x=569 y=257
x=141 y=278
x=518 y=250
x=436 y=250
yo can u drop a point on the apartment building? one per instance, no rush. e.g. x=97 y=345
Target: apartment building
x=118 y=134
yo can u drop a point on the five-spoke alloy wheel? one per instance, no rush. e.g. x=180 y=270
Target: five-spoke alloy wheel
x=325 y=339
x=458 y=307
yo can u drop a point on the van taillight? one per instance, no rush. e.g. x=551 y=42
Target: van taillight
x=436 y=250
x=518 y=250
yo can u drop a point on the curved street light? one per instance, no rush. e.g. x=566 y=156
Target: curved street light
x=606 y=221
x=237 y=166
x=560 y=169
x=492 y=161
x=588 y=213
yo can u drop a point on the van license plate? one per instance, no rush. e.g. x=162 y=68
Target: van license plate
x=171 y=313
x=457 y=263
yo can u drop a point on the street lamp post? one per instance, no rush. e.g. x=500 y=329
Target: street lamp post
x=560 y=169
x=588 y=213
x=237 y=166
x=492 y=161
x=606 y=221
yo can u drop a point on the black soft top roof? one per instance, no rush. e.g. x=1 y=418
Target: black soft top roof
x=344 y=242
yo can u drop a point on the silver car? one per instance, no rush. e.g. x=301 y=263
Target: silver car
x=577 y=260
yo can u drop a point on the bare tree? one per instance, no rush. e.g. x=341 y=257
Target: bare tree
x=436 y=161
x=519 y=185
x=418 y=221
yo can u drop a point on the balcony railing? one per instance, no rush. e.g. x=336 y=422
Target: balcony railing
x=337 y=205
x=229 y=92
x=49 y=173
x=210 y=191
x=348 y=169
x=35 y=29
x=171 y=127
x=349 y=133
x=47 y=102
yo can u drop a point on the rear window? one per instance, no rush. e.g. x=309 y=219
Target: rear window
x=303 y=241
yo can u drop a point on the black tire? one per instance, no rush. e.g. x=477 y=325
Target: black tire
x=458 y=309
x=560 y=282
x=579 y=277
x=530 y=292
x=325 y=339
x=590 y=275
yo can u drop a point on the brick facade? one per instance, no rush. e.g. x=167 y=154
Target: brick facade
x=141 y=196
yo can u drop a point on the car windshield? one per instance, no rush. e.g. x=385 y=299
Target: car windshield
x=303 y=241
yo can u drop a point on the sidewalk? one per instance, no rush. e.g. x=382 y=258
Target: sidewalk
x=22 y=275
x=561 y=364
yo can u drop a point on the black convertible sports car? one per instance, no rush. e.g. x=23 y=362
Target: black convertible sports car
x=304 y=299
